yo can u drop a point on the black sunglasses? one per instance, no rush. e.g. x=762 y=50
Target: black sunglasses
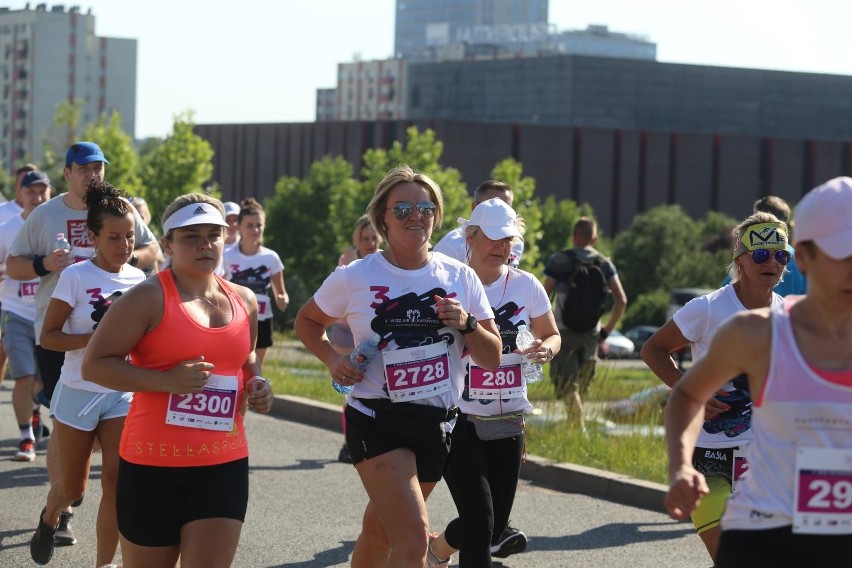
x=404 y=208
x=761 y=255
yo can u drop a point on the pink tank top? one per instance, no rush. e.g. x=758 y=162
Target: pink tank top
x=147 y=438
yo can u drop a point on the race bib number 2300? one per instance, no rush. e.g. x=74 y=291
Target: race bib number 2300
x=211 y=409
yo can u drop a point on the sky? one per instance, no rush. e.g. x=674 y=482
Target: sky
x=262 y=60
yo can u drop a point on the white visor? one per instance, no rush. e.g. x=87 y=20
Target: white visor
x=194 y=214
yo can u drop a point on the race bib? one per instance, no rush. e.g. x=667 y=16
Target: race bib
x=417 y=372
x=823 y=497
x=263 y=307
x=28 y=290
x=739 y=467
x=211 y=409
x=505 y=382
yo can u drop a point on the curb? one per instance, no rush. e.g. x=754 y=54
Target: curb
x=565 y=477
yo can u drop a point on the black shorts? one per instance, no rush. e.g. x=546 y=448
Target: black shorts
x=780 y=548
x=264 y=334
x=49 y=365
x=153 y=503
x=368 y=437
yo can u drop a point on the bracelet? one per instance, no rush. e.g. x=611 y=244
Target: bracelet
x=38 y=265
x=259 y=378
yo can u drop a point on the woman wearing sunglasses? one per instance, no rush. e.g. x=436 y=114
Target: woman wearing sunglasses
x=760 y=255
x=428 y=309
x=488 y=441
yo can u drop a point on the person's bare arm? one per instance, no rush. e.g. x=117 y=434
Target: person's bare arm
x=543 y=327
x=52 y=336
x=657 y=350
x=282 y=299
x=21 y=267
x=147 y=255
x=619 y=305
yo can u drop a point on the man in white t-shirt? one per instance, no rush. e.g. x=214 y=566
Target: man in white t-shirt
x=454 y=244
x=17 y=315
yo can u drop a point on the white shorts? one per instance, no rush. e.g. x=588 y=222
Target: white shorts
x=83 y=410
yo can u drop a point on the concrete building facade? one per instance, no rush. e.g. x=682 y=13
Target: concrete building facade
x=49 y=55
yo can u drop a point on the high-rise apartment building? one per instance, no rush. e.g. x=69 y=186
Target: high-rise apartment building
x=49 y=55
x=427 y=23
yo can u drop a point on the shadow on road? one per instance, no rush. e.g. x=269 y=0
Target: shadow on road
x=612 y=535
x=325 y=558
x=302 y=465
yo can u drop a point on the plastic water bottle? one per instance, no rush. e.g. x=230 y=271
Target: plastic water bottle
x=61 y=242
x=361 y=358
x=533 y=372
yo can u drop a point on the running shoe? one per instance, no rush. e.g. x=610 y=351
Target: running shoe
x=42 y=543
x=26 y=452
x=344 y=456
x=37 y=426
x=64 y=532
x=512 y=541
x=433 y=561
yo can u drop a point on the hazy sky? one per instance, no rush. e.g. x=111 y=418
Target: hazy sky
x=262 y=60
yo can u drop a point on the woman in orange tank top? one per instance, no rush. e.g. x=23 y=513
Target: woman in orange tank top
x=190 y=337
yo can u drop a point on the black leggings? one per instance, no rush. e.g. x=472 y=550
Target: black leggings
x=482 y=478
x=781 y=548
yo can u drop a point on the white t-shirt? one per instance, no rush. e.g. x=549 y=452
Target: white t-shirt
x=9 y=210
x=89 y=291
x=454 y=245
x=18 y=297
x=375 y=296
x=516 y=298
x=698 y=321
x=254 y=272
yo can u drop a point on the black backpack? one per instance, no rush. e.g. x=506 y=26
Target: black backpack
x=586 y=294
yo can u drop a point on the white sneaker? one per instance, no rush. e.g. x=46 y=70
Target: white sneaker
x=26 y=453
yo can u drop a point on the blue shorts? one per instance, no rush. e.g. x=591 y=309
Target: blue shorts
x=83 y=410
x=19 y=344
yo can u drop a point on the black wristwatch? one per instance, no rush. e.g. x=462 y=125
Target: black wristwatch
x=470 y=326
x=134 y=260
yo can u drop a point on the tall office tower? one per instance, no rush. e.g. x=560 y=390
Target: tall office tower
x=49 y=55
x=421 y=24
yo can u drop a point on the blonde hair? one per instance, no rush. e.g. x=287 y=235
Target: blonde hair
x=402 y=174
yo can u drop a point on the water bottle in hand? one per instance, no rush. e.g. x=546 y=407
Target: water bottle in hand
x=532 y=371
x=61 y=242
x=361 y=358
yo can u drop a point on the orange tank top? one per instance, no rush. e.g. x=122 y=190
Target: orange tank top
x=147 y=438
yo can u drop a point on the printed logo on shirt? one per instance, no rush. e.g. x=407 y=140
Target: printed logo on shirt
x=78 y=233
x=256 y=279
x=100 y=304
x=410 y=320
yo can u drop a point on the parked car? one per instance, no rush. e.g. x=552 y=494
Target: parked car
x=639 y=335
x=616 y=345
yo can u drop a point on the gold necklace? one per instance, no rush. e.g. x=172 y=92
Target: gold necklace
x=192 y=299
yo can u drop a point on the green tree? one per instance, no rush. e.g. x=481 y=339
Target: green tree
x=422 y=151
x=310 y=220
x=181 y=164
x=63 y=132
x=123 y=169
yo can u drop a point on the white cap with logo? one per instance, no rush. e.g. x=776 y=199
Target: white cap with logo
x=496 y=219
x=194 y=214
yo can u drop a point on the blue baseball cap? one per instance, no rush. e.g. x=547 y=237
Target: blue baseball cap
x=35 y=177
x=83 y=153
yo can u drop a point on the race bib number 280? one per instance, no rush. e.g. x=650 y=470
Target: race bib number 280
x=417 y=372
x=504 y=383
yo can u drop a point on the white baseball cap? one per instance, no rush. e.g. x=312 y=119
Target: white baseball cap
x=824 y=216
x=194 y=214
x=496 y=219
x=231 y=208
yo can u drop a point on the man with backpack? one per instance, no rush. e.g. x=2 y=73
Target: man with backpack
x=582 y=277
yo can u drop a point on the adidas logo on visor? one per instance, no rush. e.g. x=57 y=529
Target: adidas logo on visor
x=199 y=211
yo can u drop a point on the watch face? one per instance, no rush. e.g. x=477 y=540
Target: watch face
x=471 y=324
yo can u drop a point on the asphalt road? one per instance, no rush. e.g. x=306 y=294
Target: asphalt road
x=305 y=511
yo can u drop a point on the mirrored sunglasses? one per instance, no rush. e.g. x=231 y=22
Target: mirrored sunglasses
x=761 y=255
x=404 y=208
